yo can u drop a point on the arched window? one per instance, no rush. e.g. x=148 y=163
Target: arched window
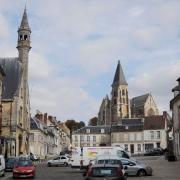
x=123 y=92
x=115 y=93
x=20 y=37
x=25 y=37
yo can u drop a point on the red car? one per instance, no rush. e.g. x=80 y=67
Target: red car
x=24 y=168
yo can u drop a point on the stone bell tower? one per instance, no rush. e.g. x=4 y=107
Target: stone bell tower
x=23 y=46
x=120 y=105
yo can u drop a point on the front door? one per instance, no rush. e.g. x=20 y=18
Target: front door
x=132 y=148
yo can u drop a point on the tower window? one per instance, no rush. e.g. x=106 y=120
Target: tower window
x=20 y=37
x=123 y=92
x=25 y=37
x=115 y=101
x=115 y=93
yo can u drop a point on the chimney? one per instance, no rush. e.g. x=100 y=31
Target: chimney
x=37 y=116
x=45 y=118
x=55 y=120
x=165 y=114
x=50 y=118
x=165 y=118
x=41 y=117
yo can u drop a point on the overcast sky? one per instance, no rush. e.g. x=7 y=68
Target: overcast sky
x=76 y=45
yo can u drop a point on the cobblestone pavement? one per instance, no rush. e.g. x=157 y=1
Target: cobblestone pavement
x=162 y=170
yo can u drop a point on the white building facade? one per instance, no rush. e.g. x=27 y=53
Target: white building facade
x=91 y=136
x=134 y=135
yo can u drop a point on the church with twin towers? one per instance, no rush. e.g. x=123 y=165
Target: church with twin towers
x=119 y=106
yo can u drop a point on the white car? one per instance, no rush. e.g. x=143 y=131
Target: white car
x=2 y=165
x=60 y=160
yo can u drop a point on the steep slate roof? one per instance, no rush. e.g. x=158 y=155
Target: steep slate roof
x=154 y=122
x=24 y=22
x=139 y=100
x=133 y=128
x=94 y=129
x=11 y=81
x=108 y=129
x=177 y=88
x=175 y=99
x=119 y=78
x=131 y=122
x=2 y=71
x=34 y=124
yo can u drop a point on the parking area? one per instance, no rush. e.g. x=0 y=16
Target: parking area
x=162 y=169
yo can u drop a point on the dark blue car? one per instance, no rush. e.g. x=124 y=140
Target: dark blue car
x=10 y=163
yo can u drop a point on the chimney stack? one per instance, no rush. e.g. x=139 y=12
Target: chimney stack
x=45 y=118
x=37 y=116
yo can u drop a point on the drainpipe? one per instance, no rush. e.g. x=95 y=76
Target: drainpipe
x=1 y=118
x=10 y=126
x=10 y=118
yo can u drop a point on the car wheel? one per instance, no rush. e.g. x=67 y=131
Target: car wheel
x=141 y=172
x=66 y=164
x=3 y=174
x=14 y=177
x=49 y=164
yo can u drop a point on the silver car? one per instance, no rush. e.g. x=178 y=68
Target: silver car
x=135 y=168
x=61 y=160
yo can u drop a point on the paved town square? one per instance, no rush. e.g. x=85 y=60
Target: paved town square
x=162 y=170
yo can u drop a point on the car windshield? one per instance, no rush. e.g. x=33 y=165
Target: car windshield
x=110 y=161
x=24 y=163
x=104 y=171
x=10 y=160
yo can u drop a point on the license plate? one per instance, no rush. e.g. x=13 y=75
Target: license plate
x=23 y=175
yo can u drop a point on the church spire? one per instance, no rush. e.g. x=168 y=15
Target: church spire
x=119 y=78
x=24 y=21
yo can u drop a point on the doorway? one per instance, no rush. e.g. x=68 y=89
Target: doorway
x=132 y=148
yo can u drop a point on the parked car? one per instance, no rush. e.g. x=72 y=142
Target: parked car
x=82 y=156
x=135 y=168
x=33 y=157
x=2 y=165
x=111 y=159
x=105 y=171
x=24 y=168
x=154 y=152
x=60 y=160
x=10 y=163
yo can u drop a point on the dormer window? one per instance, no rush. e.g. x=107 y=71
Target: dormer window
x=102 y=130
x=87 y=130
x=126 y=127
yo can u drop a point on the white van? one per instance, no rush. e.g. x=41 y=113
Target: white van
x=2 y=165
x=82 y=156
